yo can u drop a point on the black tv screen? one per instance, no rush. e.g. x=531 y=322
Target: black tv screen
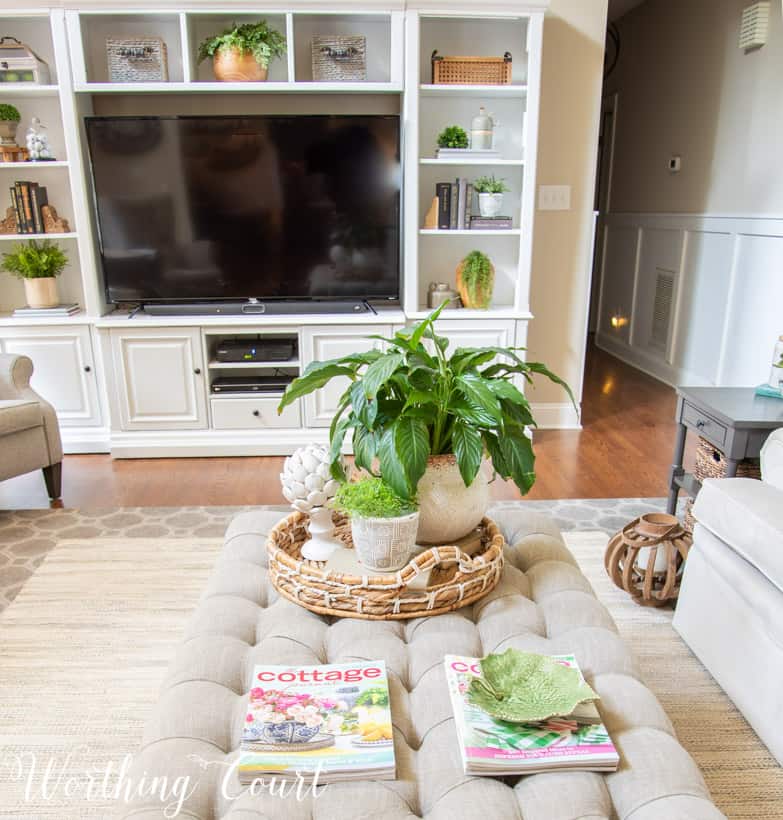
x=266 y=207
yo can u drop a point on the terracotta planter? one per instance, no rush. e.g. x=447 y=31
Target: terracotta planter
x=234 y=66
x=41 y=293
x=483 y=295
x=447 y=508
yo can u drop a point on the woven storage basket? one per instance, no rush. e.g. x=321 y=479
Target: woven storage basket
x=711 y=463
x=456 y=579
x=471 y=70
x=339 y=58
x=137 y=60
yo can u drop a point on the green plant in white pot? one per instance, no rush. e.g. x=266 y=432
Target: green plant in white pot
x=490 y=195
x=426 y=419
x=383 y=524
x=37 y=264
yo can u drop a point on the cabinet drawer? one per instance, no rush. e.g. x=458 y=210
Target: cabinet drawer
x=252 y=414
x=704 y=425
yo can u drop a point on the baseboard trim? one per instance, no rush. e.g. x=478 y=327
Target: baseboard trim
x=82 y=440
x=556 y=416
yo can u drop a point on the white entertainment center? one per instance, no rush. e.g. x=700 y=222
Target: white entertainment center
x=139 y=386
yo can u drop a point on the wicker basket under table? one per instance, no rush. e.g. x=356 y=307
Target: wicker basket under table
x=456 y=579
x=711 y=463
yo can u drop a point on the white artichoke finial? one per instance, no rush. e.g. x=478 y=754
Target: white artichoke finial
x=306 y=480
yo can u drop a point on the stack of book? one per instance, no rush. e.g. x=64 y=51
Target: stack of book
x=58 y=310
x=488 y=746
x=320 y=723
x=455 y=209
x=27 y=199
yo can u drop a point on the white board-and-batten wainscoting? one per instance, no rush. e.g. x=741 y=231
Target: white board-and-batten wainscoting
x=692 y=298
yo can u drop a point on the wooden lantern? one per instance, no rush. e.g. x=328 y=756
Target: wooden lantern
x=19 y=64
x=646 y=558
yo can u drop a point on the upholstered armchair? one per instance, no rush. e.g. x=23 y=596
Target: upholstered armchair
x=29 y=433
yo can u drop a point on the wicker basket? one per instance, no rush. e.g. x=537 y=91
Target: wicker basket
x=711 y=463
x=339 y=58
x=456 y=579
x=137 y=60
x=471 y=70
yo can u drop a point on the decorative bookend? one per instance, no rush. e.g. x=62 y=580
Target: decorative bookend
x=431 y=220
x=647 y=557
x=52 y=222
x=9 y=224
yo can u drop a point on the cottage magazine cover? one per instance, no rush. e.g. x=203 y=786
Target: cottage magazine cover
x=493 y=747
x=333 y=721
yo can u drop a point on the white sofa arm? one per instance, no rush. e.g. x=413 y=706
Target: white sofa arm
x=772 y=459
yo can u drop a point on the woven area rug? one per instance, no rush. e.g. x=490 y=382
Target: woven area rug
x=86 y=644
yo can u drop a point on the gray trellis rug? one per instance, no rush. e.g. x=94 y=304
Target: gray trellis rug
x=26 y=536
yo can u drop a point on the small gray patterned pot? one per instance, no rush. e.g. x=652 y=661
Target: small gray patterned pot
x=384 y=544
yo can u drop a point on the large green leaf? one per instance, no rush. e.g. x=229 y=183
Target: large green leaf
x=419 y=397
x=392 y=469
x=492 y=443
x=506 y=390
x=518 y=455
x=423 y=378
x=310 y=381
x=468 y=448
x=520 y=687
x=366 y=410
x=516 y=415
x=336 y=446
x=471 y=413
x=422 y=328
x=475 y=390
x=365 y=446
x=542 y=369
x=412 y=442
x=379 y=372
x=465 y=358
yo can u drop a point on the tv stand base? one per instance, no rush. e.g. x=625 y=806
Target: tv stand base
x=255 y=307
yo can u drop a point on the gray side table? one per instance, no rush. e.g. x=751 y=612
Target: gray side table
x=733 y=419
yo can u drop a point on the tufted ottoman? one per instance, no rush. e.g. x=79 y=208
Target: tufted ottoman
x=542 y=604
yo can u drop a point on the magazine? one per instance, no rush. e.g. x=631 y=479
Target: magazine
x=324 y=723
x=494 y=747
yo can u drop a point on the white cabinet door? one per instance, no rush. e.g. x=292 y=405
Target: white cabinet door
x=476 y=333
x=63 y=369
x=160 y=378
x=319 y=343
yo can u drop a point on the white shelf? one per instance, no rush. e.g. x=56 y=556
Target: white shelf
x=214 y=365
x=447 y=90
x=7 y=237
x=58 y=163
x=239 y=88
x=470 y=232
x=470 y=161
x=9 y=320
x=499 y=312
x=22 y=90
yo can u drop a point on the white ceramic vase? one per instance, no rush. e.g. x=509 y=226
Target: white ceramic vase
x=448 y=509
x=384 y=544
x=41 y=292
x=490 y=204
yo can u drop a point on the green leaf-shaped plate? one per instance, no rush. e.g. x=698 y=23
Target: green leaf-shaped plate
x=521 y=687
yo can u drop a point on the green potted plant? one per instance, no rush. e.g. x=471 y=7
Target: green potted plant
x=424 y=418
x=37 y=264
x=9 y=123
x=242 y=53
x=490 y=194
x=452 y=137
x=383 y=524
x=476 y=280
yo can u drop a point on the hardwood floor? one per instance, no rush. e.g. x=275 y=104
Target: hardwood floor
x=623 y=450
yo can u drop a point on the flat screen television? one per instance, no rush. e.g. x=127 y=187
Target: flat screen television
x=254 y=207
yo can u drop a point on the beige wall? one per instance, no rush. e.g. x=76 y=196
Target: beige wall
x=570 y=106
x=686 y=88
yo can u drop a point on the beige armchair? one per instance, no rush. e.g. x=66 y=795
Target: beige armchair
x=29 y=433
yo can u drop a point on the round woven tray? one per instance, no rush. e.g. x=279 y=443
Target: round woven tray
x=456 y=579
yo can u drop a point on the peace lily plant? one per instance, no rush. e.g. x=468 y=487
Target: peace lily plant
x=415 y=402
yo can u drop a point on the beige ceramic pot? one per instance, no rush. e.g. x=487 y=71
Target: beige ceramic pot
x=447 y=508
x=234 y=66
x=41 y=293
x=8 y=130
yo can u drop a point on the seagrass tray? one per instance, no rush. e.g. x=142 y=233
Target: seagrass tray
x=455 y=578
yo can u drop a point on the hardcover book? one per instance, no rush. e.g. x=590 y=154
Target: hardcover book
x=443 y=192
x=321 y=723
x=576 y=742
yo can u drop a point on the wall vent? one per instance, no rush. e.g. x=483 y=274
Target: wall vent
x=754 y=27
x=662 y=309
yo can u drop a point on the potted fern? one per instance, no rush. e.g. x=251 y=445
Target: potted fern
x=242 y=53
x=37 y=264
x=490 y=195
x=425 y=418
x=476 y=280
x=383 y=524
x=452 y=139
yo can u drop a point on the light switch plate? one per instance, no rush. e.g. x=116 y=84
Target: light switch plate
x=554 y=198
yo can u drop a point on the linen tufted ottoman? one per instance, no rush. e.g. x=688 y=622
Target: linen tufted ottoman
x=543 y=603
